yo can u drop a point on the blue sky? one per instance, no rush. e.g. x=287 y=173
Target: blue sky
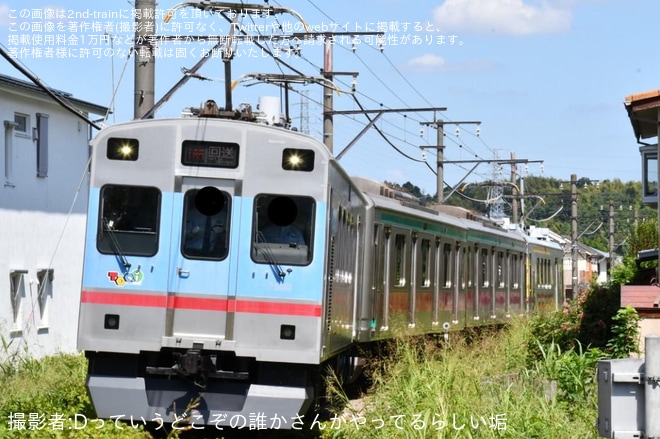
x=546 y=78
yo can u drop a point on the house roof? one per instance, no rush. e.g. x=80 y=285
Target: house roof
x=647 y=255
x=644 y=298
x=587 y=250
x=591 y=251
x=13 y=83
x=643 y=110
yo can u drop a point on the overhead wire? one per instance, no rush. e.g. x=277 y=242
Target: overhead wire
x=61 y=100
x=367 y=67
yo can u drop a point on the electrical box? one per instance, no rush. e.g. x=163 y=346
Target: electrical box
x=621 y=398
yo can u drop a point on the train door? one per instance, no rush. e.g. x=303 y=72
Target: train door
x=200 y=283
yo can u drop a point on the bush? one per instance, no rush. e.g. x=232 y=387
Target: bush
x=625 y=333
x=587 y=321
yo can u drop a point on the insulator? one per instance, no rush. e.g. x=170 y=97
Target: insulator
x=458 y=131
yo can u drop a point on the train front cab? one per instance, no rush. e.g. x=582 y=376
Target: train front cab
x=235 y=321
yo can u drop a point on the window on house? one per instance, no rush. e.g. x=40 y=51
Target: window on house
x=45 y=293
x=22 y=123
x=9 y=151
x=17 y=292
x=42 y=145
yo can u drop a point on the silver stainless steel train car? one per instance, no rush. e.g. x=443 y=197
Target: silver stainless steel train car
x=227 y=262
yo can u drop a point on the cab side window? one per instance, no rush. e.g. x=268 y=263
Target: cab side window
x=128 y=220
x=283 y=229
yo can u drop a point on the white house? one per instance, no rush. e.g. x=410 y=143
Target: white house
x=591 y=262
x=43 y=199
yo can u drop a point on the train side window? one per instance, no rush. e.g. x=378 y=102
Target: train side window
x=205 y=224
x=378 y=259
x=462 y=272
x=425 y=259
x=469 y=267
x=515 y=272
x=399 y=260
x=446 y=265
x=128 y=220
x=484 y=273
x=500 y=269
x=283 y=229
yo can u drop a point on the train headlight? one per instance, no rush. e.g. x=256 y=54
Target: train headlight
x=122 y=149
x=111 y=321
x=287 y=332
x=297 y=159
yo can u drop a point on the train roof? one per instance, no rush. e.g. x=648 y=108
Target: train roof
x=393 y=199
x=196 y=121
x=385 y=197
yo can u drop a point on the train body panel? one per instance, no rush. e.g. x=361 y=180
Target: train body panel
x=233 y=262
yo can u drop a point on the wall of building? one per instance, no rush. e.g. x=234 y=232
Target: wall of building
x=647 y=327
x=42 y=224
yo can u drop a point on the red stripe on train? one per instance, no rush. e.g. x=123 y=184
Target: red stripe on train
x=123 y=299
x=296 y=309
x=199 y=303
x=178 y=302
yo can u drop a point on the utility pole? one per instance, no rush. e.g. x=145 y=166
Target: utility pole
x=440 y=130
x=145 y=59
x=516 y=194
x=329 y=74
x=328 y=122
x=610 y=261
x=440 y=167
x=574 y=235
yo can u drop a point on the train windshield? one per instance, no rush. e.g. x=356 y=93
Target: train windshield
x=205 y=224
x=283 y=229
x=128 y=220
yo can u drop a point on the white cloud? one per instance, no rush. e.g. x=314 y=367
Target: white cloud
x=428 y=62
x=509 y=17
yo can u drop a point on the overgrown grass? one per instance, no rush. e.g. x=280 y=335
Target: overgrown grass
x=533 y=379
x=47 y=399
x=481 y=388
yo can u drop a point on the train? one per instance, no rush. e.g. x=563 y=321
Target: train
x=230 y=262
